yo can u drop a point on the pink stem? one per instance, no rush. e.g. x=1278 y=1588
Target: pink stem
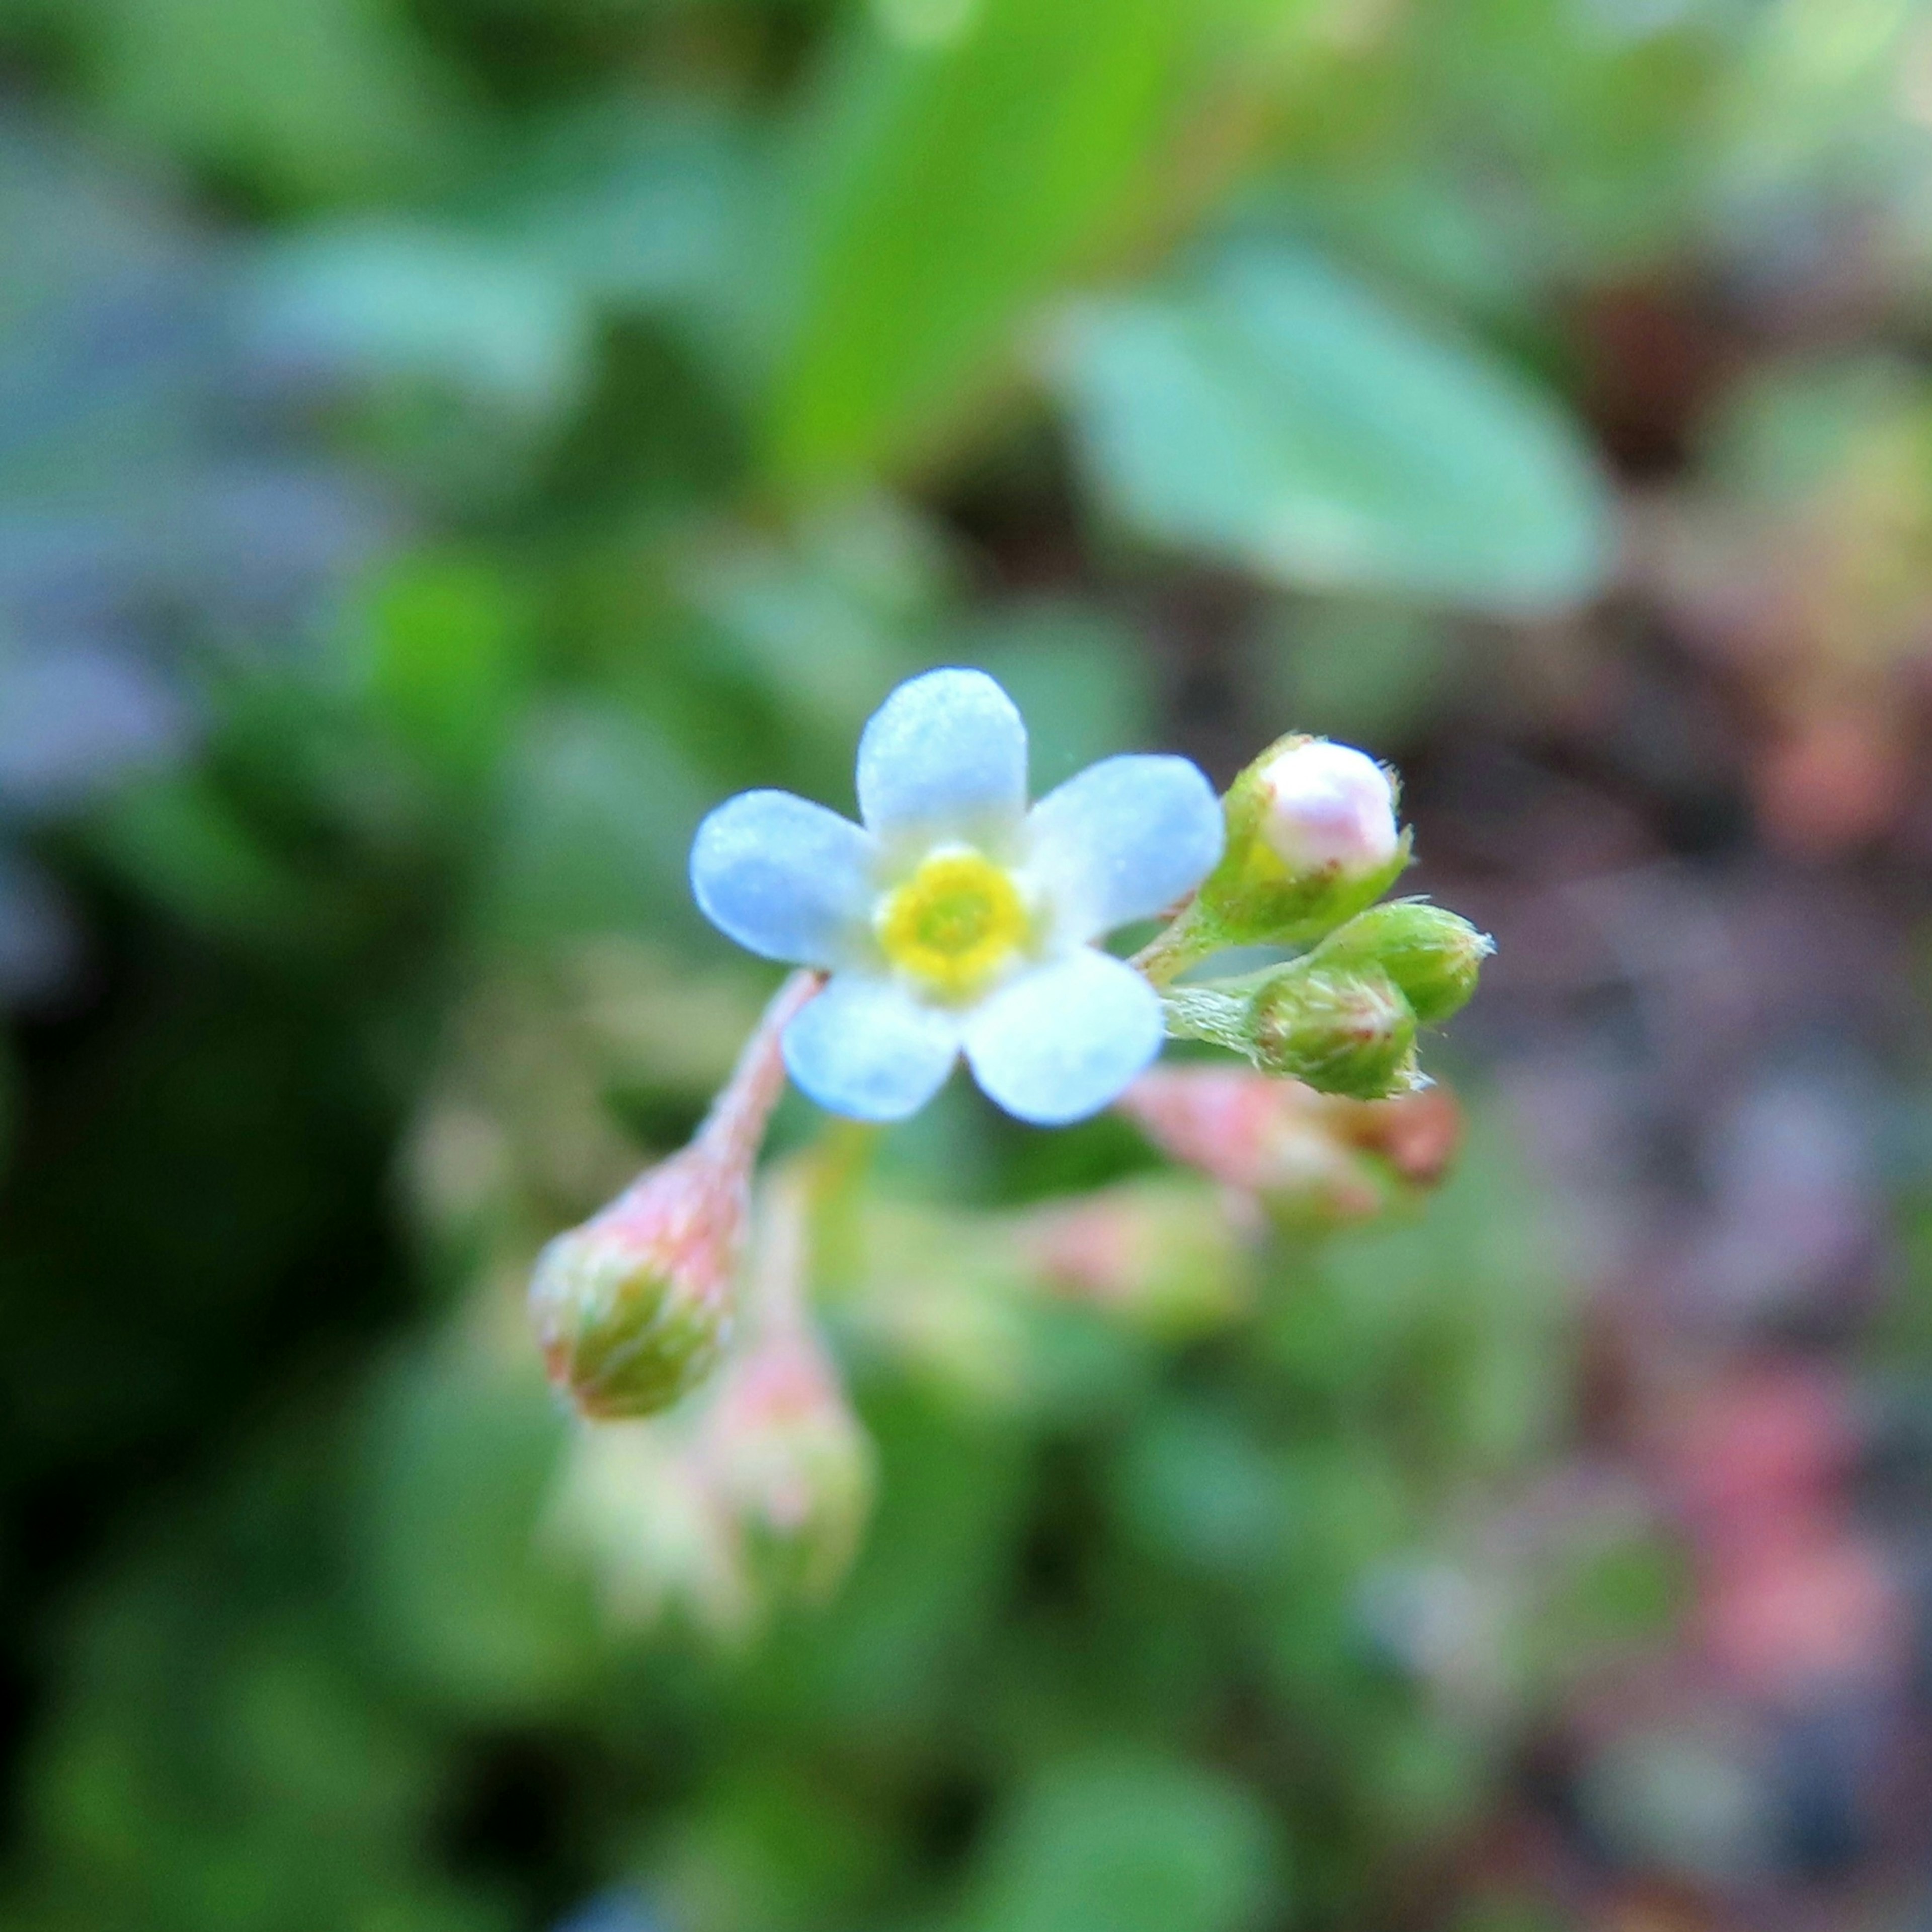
x=735 y=1127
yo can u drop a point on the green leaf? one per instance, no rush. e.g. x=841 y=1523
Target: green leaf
x=178 y=838
x=594 y=825
x=323 y=98
x=970 y=163
x=1078 y=676
x=635 y=200
x=447 y=658
x=1129 y=1844
x=399 y=301
x=1270 y=412
x=455 y=1583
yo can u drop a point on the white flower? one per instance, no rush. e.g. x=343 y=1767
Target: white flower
x=1328 y=804
x=956 y=920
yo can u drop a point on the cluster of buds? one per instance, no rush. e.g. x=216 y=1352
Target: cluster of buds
x=1312 y=842
x=754 y=1492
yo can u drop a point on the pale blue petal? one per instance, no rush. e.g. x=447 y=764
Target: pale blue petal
x=785 y=877
x=946 y=752
x=1064 y=1040
x=864 y=1047
x=1122 y=840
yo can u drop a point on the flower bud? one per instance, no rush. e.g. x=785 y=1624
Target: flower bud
x=756 y=1492
x=1314 y=1161
x=633 y=1308
x=1275 y=1140
x=1432 y=955
x=1350 y=1033
x=791 y=1463
x=1162 y=1251
x=1326 y=806
x=1311 y=839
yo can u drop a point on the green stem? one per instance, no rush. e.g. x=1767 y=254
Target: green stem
x=1207 y=1013
x=1187 y=940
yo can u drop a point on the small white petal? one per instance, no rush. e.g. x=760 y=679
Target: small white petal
x=784 y=877
x=1062 y=1041
x=866 y=1048
x=1122 y=840
x=1328 y=804
x=946 y=753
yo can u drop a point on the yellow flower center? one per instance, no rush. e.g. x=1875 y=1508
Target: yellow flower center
x=954 y=923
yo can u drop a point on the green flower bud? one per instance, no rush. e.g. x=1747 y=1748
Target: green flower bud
x=1349 y=1033
x=633 y=1309
x=1311 y=839
x=1431 y=954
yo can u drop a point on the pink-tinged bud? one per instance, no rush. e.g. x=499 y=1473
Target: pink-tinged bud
x=636 y=1505
x=1162 y=1251
x=756 y=1492
x=1311 y=839
x=780 y=1443
x=1311 y=1159
x=633 y=1309
x=790 y=1460
x=1328 y=807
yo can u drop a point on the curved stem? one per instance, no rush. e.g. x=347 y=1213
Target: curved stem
x=735 y=1127
x=1183 y=943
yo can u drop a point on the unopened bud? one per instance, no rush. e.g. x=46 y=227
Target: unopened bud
x=633 y=1308
x=1162 y=1251
x=755 y=1491
x=1314 y=1161
x=783 y=1449
x=1311 y=839
x=1274 y=1139
x=1432 y=955
x=790 y=1460
x=1349 y=1033
x=1326 y=806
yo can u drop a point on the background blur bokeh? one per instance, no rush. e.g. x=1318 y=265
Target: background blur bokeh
x=445 y=446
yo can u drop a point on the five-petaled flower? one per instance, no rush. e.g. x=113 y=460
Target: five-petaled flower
x=954 y=919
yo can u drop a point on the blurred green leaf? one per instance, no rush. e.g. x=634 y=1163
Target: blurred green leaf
x=448 y=653
x=828 y=624
x=1195 y=1486
x=1268 y=411
x=910 y=1634
x=965 y=156
x=638 y=202
x=773 y=1849
x=1128 y=1844
x=458 y=1588
x=185 y=845
x=405 y=302
x=319 y=99
x=1366 y=673
x=594 y=826
x=1078 y=675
